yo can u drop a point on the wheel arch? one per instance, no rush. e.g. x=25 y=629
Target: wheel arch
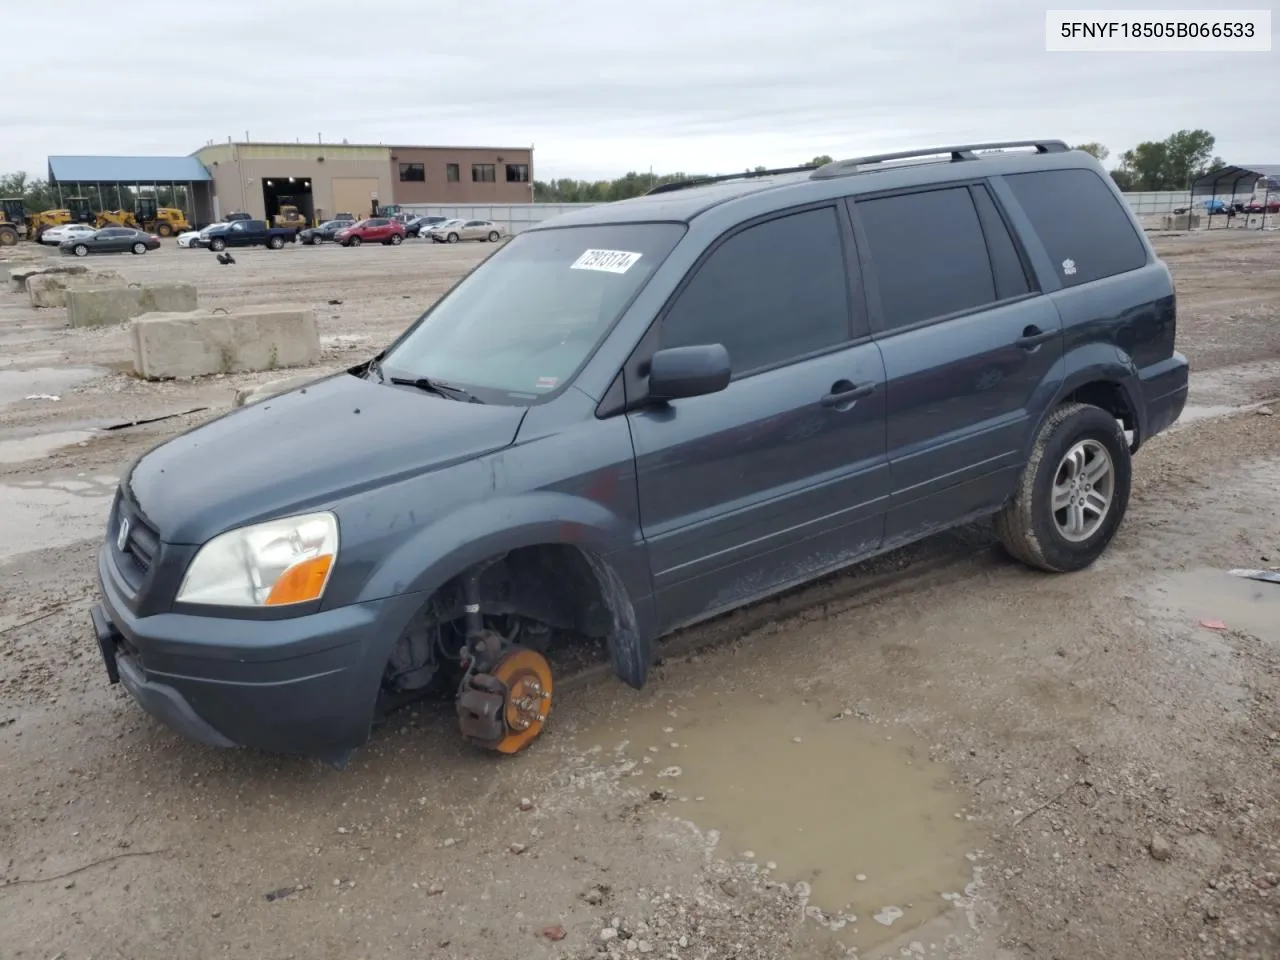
x=573 y=533
x=1104 y=377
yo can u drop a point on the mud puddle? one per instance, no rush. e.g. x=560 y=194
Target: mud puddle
x=17 y=385
x=36 y=446
x=858 y=812
x=44 y=514
x=1215 y=596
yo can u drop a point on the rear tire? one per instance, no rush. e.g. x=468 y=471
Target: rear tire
x=1073 y=492
x=80 y=250
x=275 y=243
x=396 y=240
x=139 y=249
x=493 y=236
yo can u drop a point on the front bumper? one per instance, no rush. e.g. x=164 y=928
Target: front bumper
x=303 y=685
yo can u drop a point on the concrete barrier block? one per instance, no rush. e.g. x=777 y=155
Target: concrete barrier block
x=96 y=306
x=18 y=278
x=50 y=289
x=168 y=297
x=203 y=342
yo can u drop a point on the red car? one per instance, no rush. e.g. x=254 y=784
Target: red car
x=1255 y=206
x=374 y=230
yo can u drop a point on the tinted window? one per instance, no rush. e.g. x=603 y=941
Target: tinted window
x=771 y=293
x=928 y=254
x=1082 y=224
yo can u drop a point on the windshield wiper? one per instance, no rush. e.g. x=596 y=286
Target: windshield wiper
x=446 y=390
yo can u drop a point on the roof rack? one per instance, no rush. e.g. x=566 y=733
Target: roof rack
x=968 y=151
x=702 y=181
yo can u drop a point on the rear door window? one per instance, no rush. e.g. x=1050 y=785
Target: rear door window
x=1084 y=227
x=928 y=255
x=772 y=293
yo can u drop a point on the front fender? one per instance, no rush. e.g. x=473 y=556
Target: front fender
x=434 y=554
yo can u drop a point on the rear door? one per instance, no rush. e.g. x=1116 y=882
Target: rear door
x=968 y=342
x=473 y=230
x=782 y=476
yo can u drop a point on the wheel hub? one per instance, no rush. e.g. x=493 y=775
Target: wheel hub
x=505 y=708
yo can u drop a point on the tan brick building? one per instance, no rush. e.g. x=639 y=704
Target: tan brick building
x=323 y=179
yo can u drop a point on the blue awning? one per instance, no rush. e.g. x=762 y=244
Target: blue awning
x=127 y=170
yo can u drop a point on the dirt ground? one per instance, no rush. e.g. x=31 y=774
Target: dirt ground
x=937 y=754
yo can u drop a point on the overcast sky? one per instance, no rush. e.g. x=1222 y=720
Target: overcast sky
x=601 y=87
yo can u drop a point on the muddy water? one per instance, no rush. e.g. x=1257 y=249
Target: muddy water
x=1246 y=606
x=17 y=385
x=42 y=514
x=22 y=449
x=857 y=811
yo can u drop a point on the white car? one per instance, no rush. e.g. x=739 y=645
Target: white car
x=192 y=238
x=68 y=231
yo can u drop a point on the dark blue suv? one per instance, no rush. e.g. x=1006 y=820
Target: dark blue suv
x=640 y=415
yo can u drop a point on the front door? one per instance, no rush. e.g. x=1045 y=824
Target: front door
x=782 y=476
x=967 y=342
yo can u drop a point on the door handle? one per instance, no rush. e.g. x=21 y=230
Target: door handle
x=842 y=392
x=1033 y=336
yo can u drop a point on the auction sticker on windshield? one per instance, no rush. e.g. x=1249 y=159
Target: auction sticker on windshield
x=610 y=261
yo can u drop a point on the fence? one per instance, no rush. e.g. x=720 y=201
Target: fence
x=1150 y=208
x=514 y=216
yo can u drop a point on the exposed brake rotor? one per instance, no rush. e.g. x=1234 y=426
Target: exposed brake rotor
x=506 y=708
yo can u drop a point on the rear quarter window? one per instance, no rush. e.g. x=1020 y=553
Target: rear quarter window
x=1084 y=227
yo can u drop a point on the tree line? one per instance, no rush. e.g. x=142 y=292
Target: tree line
x=1169 y=164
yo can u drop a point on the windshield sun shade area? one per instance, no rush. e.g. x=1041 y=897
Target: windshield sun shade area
x=523 y=322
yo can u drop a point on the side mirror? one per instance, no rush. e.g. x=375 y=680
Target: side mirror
x=689 y=371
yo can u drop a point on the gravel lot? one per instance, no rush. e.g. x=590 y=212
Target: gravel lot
x=937 y=754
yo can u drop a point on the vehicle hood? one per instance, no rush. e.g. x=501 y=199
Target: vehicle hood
x=306 y=449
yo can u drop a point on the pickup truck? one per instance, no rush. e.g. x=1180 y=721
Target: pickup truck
x=248 y=233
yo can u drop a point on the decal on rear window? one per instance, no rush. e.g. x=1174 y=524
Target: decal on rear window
x=610 y=261
x=547 y=383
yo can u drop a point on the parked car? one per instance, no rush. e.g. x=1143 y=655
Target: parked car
x=247 y=233
x=437 y=232
x=325 y=231
x=454 y=230
x=1271 y=205
x=68 y=231
x=109 y=240
x=640 y=415
x=195 y=238
x=416 y=225
x=382 y=230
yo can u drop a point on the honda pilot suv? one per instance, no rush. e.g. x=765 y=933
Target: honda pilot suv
x=637 y=416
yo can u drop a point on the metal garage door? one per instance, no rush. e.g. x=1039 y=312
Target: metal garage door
x=353 y=195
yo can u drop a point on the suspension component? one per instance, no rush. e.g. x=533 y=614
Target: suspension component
x=505 y=708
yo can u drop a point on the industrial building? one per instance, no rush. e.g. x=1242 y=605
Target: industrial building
x=320 y=179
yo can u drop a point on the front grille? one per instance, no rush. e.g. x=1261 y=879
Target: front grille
x=135 y=556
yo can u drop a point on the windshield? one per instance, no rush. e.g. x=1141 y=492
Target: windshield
x=522 y=323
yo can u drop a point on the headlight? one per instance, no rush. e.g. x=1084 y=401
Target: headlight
x=268 y=564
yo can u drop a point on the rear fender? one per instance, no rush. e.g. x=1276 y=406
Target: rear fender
x=1094 y=363
x=441 y=551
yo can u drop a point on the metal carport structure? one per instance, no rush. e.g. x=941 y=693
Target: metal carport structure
x=1228 y=182
x=104 y=181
